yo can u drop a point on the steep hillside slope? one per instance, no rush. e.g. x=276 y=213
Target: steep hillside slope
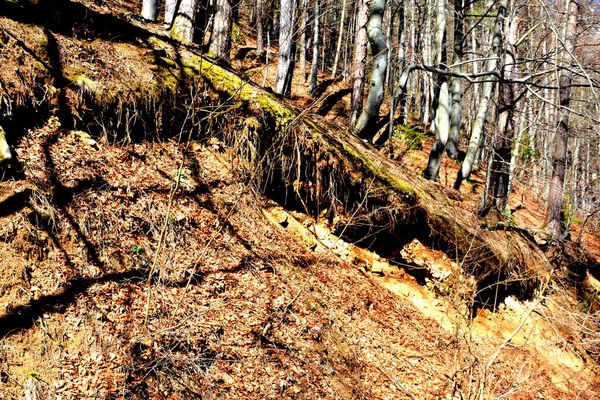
x=141 y=258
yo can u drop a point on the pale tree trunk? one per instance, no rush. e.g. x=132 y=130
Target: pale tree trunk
x=401 y=64
x=5 y=154
x=426 y=38
x=364 y=125
x=315 y=55
x=559 y=158
x=359 y=60
x=496 y=195
x=150 y=9
x=442 y=103
x=285 y=64
x=184 y=21
x=170 y=6
x=220 y=41
x=303 y=25
x=484 y=100
x=260 y=41
x=456 y=96
x=338 y=49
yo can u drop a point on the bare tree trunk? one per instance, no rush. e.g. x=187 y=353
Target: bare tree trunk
x=260 y=32
x=303 y=25
x=484 y=101
x=496 y=195
x=315 y=55
x=559 y=159
x=379 y=49
x=442 y=103
x=184 y=21
x=456 y=96
x=339 y=41
x=220 y=43
x=285 y=63
x=170 y=6
x=150 y=9
x=359 y=60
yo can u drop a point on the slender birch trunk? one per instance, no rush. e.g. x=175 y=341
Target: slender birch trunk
x=339 y=41
x=260 y=29
x=315 y=55
x=303 y=46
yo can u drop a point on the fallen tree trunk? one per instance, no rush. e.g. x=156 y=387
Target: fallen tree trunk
x=396 y=191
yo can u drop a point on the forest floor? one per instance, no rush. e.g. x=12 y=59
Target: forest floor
x=153 y=269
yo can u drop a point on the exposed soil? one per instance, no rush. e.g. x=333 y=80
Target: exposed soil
x=142 y=262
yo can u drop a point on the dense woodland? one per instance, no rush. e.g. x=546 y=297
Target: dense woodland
x=299 y=199
x=507 y=86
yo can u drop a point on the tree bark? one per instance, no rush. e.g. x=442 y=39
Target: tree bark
x=170 y=6
x=442 y=104
x=484 y=101
x=285 y=63
x=559 y=159
x=359 y=60
x=496 y=195
x=364 y=125
x=260 y=40
x=303 y=25
x=339 y=41
x=315 y=55
x=184 y=21
x=220 y=43
x=150 y=10
x=456 y=91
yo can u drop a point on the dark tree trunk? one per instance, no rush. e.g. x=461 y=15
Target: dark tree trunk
x=359 y=60
x=496 y=195
x=456 y=83
x=559 y=159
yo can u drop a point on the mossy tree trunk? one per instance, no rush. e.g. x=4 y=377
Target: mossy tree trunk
x=184 y=21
